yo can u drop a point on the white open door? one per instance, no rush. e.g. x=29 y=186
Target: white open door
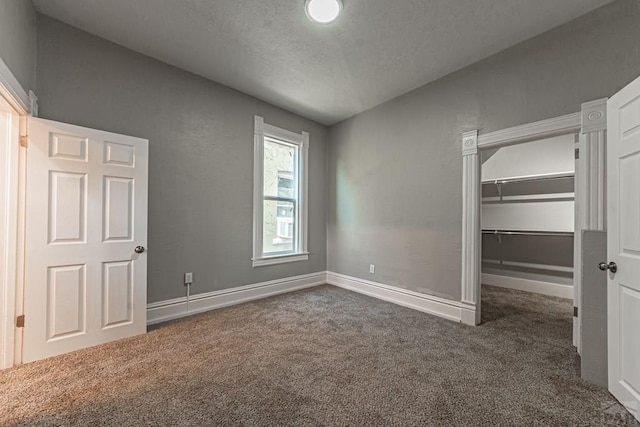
x=623 y=246
x=86 y=229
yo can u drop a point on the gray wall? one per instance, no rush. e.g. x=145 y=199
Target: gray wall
x=18 y=40
x=593 y=309
x=201 y=156
x=395 y=171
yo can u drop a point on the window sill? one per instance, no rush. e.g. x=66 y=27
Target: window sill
x=280 y=259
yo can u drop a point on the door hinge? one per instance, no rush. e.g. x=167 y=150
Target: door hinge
x=575 y=311
x=24 y=141
x=577 y=153
x=20 y=321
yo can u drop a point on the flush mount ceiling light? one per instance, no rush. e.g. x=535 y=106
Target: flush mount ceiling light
x=323 y=11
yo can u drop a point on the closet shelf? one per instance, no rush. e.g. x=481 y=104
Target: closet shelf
x=546 y=177
x=550 y=197
x=528 y=233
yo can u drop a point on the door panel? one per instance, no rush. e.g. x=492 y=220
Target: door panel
x=67 y=207
x=66 y=301
x=119 y=154
x=623 y=245
x=118 y=209
x=629 y=203
x=117 y=286
x=629 y=344
x=68 y=147
x=86 y=212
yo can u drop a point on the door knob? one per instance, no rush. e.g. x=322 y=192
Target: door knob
x=612 y=267
x=139 y=249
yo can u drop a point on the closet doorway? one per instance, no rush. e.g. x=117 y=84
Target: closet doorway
x=528 y=220
x=589 y=182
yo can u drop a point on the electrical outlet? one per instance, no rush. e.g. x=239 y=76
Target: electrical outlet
x=188 y=278
x=372 y=269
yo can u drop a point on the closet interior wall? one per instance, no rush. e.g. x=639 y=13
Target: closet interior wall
x=528 y=211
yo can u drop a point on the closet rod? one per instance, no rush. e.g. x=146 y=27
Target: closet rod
x=530 y=178
x=528 y=233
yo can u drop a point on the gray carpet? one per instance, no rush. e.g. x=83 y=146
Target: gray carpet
x=323 y=356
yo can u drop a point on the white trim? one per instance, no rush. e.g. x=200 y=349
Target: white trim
x=303 y=223
x=21 y=240
x=301 y=176
x=571 y=123
x=594 y=116
x=593 y=148
x=258 y=182
x=176 y=308
x=471 y=232
x=11 y=89
x=471 y=229
x=280 y=259
x=9 y=254
x=279 y=133
x=527 y=285
x=437 y=306
x=12 y=284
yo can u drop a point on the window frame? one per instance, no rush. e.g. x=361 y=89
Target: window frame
x=263 y=130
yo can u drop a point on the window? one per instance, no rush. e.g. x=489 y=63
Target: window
x=285 y=215
x=280 y=186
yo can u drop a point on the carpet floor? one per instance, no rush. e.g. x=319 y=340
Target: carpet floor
x=324 y=356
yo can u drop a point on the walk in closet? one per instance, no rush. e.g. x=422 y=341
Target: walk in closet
x=528 y=216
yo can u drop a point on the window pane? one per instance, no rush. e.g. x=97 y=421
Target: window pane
x=285 y=185
x=279 y=169
x=278 y=228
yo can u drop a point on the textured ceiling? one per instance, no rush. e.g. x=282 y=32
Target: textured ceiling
x=375 y=51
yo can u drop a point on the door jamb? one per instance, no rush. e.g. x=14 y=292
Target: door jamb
x=591 y=125
x=12 y=284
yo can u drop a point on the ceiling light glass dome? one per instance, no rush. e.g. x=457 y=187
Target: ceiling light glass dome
x=323 y=11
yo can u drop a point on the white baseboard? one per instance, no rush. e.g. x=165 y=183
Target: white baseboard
x=163 y=311
x=422 y=302
x=544 y=288
x=469 y=314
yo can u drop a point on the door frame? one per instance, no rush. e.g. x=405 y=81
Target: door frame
x=11 y=283
x=591 y=125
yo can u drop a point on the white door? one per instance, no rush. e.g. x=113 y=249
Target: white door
x=623 y=246
x=86 y=214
